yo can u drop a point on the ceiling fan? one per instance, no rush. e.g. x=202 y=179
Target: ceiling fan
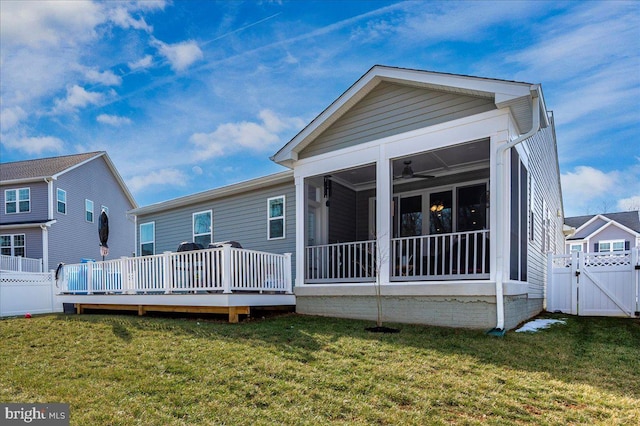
x=407 y=172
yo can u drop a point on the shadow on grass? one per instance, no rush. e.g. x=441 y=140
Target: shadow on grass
x=599 y=352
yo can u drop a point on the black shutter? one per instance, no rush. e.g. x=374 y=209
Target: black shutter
x=596 y=247
x=627 y=245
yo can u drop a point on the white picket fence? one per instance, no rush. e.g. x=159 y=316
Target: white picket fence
x=28 y=292
x=226 y=269
x=595 y=284
x=20 y=264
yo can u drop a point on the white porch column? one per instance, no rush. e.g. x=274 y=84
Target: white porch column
x=45 y=248
x=383 y=215
x=300 y=236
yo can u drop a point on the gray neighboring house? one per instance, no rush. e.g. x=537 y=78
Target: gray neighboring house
x=49 y=208
x=443 y=188
x=606 y=232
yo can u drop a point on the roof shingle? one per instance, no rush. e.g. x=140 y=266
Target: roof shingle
x=42 y=167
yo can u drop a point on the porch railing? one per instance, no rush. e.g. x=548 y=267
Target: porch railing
x=344 y=262
x=219 y=270
x=458 y=255
x=20 y=264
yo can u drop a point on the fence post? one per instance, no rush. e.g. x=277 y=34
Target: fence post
x=576 y=267
x=550 y=290
x=19 y=263
x=166 y=272
x=635 y=270
x=226 y=268
x=288 y=282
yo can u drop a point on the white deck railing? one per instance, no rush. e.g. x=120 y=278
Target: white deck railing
x=224 y=270
x=459 y=255
x=20 y=264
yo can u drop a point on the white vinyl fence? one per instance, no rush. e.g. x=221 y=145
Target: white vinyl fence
x=23 y=292
x=20 y=264
x=595 y=284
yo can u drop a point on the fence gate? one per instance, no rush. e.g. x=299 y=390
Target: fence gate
x=594 y=284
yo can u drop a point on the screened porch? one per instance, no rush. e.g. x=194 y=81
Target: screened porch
x=439 y=219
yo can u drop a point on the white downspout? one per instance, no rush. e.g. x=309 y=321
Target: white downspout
x=500 y=219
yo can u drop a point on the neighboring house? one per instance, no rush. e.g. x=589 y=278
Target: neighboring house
x=445 y=188
x=606 y=232
x=49 y=208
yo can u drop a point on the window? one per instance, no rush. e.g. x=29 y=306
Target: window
x=12 y=245
x=17 y=200
x=88 y=207
x=202 y=228
x=275 y=218
x=62 y=201
x=147 y=238
x=609 y=246
x=575 y=247
x=440 y=212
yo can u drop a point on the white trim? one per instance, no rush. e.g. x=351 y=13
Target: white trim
x=193 y=225
x=58 y=201
x=17 y=201
x=153 y=241
x=92 y=211
x=609 y=223
x=282 y=217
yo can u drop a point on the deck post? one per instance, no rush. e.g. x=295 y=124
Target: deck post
x=167 y=273
x=226 y=268
x=89 y=277
x=287 y=273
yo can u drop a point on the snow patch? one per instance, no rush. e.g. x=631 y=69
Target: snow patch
x=539 y=324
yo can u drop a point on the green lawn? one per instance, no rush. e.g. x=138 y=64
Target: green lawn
x=125 y=370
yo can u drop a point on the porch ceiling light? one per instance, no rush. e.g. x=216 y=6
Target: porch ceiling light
x=437 y=206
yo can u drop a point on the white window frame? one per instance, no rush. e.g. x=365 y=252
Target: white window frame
x=12 y=246
x=282 y=217
x=153 y=237
x=63 y=202
x=193 y=225
x=88 y=202
x=611 y=246
x=575 y=247
x=17 y=200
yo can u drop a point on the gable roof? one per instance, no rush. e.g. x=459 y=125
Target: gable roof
x=628 y=221
x=18 y=172
x=506 y=94
x=41 y=168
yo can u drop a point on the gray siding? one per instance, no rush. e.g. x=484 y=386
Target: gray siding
x=590 y=229
x=391 y=109
x=33 y=240
x=543 y=170
x=39 y=203
x=241 y=218
x=72 y=238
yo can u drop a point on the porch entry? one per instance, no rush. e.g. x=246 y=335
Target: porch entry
x=595 y=284
x=439 y=219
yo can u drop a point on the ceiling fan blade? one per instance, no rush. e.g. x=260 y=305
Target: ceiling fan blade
x=415 y=175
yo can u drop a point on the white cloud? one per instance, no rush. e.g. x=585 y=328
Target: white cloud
x=587 y=183
x=34 y=145
x=143 y=63
x=9 y=117
x=121 y=17
x=41 y=24
x=197 y=170
x=113 y=120
x=628 y=204
x=168 y=177
x=232 y=137
x=108 y=78
x=77 y=97
x=180 y=55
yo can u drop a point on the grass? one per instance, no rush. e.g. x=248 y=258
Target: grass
x=128 y=370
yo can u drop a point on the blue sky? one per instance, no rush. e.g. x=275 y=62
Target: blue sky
x=190 y=95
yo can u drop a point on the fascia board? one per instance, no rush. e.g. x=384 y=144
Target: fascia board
x=590 y=221
x=28 y=225
x=25 y=180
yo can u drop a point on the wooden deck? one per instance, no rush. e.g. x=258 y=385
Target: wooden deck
x=231 y=305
